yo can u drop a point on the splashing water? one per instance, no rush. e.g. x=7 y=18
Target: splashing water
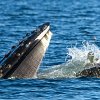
x=78 y=62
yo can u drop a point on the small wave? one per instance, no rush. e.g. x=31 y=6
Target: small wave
x=78 y=62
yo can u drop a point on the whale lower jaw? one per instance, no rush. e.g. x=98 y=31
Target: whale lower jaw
x=24 y=59
x=29 y=66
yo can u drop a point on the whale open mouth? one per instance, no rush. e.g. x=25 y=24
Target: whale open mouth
x=24 y=59
x=84 y=61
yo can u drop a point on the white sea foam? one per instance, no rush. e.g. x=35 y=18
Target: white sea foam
x=78 y=62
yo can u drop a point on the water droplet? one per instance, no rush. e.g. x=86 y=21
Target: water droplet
x=94 y=37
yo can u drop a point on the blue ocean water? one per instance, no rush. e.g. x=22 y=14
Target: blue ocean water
x=72 y=22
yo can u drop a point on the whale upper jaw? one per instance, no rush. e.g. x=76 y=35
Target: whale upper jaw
x=90 y=72
x=24 y=59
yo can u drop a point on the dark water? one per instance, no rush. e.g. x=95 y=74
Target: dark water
x=72 y=21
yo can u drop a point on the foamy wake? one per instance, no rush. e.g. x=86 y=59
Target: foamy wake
x=78 y=62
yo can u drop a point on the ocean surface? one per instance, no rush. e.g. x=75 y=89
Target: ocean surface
x=75 y=25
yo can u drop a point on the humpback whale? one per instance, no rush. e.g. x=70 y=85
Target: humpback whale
x=93 y=70
x=90 y=72
x=24 y=59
